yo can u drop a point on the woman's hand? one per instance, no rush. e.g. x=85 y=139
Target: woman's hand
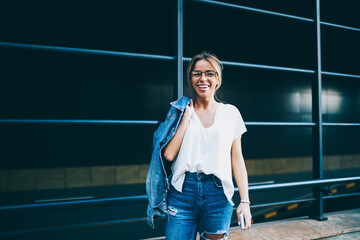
x=189 y=110
x=245 y=209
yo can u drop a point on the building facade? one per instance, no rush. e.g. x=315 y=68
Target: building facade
x=83 y=85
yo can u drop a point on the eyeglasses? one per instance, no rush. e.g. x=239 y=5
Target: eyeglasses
x=208 y=74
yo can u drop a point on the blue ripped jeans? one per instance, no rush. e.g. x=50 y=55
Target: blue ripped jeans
x=201 y=207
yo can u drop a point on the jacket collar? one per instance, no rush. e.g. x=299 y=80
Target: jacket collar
x=181 y=103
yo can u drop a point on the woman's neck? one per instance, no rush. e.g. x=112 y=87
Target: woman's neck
x=204 y=103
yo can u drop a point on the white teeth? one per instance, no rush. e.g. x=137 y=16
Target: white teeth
x=203 y=86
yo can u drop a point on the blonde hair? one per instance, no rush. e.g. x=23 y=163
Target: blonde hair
x=214 y=61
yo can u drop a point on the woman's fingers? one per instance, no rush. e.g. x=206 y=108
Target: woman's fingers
x=247 y=221
x=189 y=110
x=245 y=209
x=238 y=212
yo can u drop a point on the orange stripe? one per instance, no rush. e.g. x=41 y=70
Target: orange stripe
x=350 y=185
x=270 y=214
x=292 y=206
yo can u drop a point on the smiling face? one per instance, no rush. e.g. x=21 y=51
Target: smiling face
x=205 y=85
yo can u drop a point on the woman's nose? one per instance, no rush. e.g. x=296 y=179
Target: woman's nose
x=203 y=76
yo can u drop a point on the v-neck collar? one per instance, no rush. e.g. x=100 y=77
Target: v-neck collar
x=215 y=117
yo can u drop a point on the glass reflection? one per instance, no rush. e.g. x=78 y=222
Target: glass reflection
x=341 y=99
x=300 y=101
x=332 y=102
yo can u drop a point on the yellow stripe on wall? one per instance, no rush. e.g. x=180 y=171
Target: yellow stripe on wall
x=270 y=214
x=292 y=206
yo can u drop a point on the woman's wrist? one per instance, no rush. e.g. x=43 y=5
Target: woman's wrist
x=245 y=201
x=187 y=116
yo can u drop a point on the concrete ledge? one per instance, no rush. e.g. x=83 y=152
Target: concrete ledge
x=338 y=226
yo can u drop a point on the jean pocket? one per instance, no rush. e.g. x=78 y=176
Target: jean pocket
x=217 y=181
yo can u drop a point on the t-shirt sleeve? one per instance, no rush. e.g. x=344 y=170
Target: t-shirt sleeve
x=240 y=128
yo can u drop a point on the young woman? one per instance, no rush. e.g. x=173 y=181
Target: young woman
x=206 y=150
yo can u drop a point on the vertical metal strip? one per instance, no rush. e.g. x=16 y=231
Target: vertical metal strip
x=317 y=99
x=318 y=209
x=179 y=56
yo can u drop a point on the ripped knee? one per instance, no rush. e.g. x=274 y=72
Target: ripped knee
x=217 y=235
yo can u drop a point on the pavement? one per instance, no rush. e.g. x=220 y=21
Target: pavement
x=340 y=225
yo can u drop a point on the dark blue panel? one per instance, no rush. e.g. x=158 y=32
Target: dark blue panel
x=73 y=146
x=341 y=99
x=132 y=26
x=55 y=85
x=340 y=50
x=244 y=36
x=277 y=142
x=344 y=13
x=300 y=8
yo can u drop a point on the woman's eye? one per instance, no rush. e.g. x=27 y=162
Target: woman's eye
x=196 y=74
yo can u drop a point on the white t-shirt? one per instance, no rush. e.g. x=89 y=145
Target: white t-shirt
x=208 y=150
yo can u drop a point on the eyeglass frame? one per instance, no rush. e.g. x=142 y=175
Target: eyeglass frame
x=207 y=71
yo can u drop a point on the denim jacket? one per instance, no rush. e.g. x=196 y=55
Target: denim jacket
x=157 y=181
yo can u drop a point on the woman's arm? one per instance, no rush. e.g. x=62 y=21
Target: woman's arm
x=241 y=178
x=173 y=147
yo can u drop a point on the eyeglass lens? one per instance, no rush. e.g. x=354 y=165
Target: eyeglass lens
x=208 y=73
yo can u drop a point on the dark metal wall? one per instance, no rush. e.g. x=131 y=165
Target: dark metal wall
x=83 y=84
